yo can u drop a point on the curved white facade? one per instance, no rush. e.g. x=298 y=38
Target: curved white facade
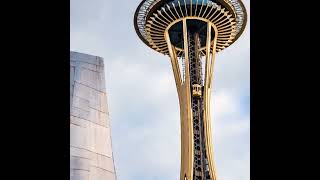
x=91 y=155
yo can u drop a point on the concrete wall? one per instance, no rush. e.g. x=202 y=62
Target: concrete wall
x=90 y=138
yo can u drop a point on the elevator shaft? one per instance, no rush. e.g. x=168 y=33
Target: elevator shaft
x=200 y=162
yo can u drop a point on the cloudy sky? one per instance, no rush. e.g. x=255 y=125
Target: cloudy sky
x=142 y=98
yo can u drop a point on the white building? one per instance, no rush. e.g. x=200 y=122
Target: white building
x=91 y=155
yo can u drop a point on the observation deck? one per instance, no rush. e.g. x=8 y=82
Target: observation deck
x=153 y=17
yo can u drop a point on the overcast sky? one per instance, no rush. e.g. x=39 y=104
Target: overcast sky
x=142 y=96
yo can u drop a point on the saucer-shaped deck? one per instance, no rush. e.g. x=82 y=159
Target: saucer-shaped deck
x=153 y=17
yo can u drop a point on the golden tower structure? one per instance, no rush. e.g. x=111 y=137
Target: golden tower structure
x=191 y=32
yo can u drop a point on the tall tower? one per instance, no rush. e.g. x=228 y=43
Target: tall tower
x=90 y=137
x=191 y=32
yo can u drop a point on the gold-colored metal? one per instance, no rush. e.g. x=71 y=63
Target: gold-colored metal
x=217 y=10
x=195 y=12
x=185 y=7
x=184 y=95
x=171 y=12
x=159 y=22
x=176 y=10
x=201 y=8
x=155 y=15
x=204 y=11
x=207 y=95
x=180 y=9
x=190 y=7
x=212 y=7
x=225 y=20
x=196 y=90
x=157 y=26
x=159 y=12
x=174 y=62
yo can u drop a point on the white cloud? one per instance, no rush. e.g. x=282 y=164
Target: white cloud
x=223 y=103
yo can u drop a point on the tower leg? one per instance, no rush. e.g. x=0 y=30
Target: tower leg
x=196 y=146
